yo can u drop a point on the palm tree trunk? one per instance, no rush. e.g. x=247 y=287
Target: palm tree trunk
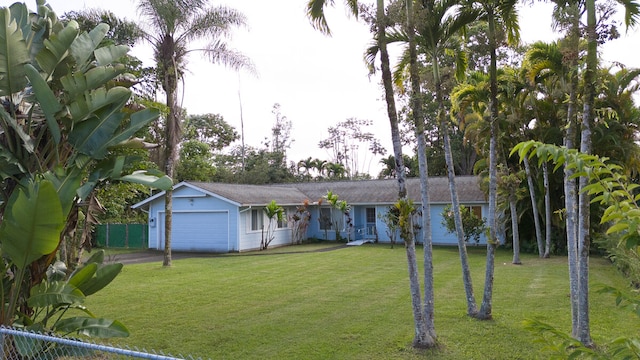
x=387 y=82
x=427 y=339
x=547 y=211
x=571 y=206
x=472 y=308
x=514 y=229
x=584 y=334
x=171 y=154
x=534 y=207
x=492 y=241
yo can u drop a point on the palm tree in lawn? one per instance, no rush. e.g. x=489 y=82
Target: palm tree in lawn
x=438 y=29
x=442 y=21
x=172 y=27
x=315 y=11
x=496 y=13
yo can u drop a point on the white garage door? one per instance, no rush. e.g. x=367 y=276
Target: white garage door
x=200 y=231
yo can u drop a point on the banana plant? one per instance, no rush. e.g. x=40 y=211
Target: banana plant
x=62 y=114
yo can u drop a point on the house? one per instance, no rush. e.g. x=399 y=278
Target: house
x=218 y=217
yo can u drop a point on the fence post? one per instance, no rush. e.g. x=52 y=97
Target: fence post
x=126 y=236
x=107 y=236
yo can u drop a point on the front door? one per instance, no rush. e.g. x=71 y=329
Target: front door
x=370 y=223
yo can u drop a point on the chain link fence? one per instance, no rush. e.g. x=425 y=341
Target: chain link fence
x=23 y=345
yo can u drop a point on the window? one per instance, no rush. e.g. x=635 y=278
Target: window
x=371 y=215
x=283 y=223
x=325 y=219
x=256 y=219
x=477 y=211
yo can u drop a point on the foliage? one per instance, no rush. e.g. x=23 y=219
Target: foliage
x=63 y=115
x=300 y=221
x=610 y=188
x=275 y=214
x=195 y=162
x=210 y=129
x=390 y=219
x=473 y=225
x=344 y=143
x=344 y=222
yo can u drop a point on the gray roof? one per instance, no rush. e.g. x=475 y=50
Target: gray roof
x=354 y=192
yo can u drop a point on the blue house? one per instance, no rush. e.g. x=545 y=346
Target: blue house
x=218 y=217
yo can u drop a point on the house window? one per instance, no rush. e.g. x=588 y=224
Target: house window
x=325 y=219
x=477 y=211
x=283 y=223
x=371 y=215
x=256 y=219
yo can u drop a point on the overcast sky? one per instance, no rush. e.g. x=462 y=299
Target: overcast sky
x=317 y=80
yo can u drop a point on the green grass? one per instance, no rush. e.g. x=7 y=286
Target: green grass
x=350 y=303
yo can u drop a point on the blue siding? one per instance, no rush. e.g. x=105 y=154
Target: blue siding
x=212 y=221
x=439 y=233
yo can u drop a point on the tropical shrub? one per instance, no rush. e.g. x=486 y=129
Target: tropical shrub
x=66 y=107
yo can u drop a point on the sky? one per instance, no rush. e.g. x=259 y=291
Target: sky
x=317 y=80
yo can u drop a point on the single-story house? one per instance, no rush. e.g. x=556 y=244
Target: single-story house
x=219 y=217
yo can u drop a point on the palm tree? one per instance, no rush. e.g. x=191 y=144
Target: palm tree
x=496 y=13
x=442 y=21
x=315 y=11
x=172 y=27
x=307 y=164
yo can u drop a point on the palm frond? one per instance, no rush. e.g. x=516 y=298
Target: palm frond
x=218 y=52
x=315 y=13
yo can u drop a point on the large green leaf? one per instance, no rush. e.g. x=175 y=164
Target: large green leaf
x=13 y=55
x=54 y=293
x=33 y=220
x=103 y=277
x=66 y=183
x=48 y=101
x=57 y=48
x=93 y=135
x=139 y=120
x=102 y=328
x=85 y=44
x=151 y=178
x=83 y=274
x=20 y=14
x=77 y=83
x=109 y=54
x=83 y=106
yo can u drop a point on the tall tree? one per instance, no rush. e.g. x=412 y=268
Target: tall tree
x=496 y=13
x=441 y=22
x=172 y=27
x=425 y=329
x=316 y=13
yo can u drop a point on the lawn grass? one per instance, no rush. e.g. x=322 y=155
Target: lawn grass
x=349 y=303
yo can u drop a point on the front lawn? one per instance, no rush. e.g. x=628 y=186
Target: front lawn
x=349 y=303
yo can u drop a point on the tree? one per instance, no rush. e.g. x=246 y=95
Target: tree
x=474 y=226
x=55 y=154
x=281 y=133
x=275 y=214
x=173 y=26
x=210 y=129
x=344 y=143
x=509 y=188
x=425 y=327
x=195 y=162
x=495 y=13
x=315 y=11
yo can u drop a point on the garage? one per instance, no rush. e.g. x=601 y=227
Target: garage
x=199 y=231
